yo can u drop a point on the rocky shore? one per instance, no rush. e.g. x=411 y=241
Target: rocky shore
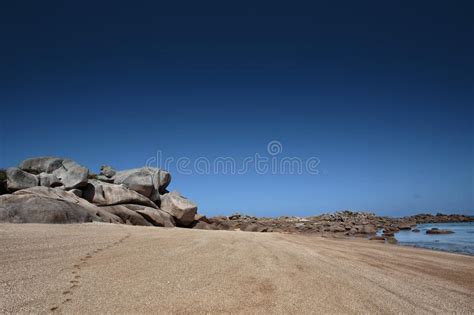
x=342 y=224
x=57 y=190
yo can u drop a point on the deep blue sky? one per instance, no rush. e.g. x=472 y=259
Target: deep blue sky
x=380 y=91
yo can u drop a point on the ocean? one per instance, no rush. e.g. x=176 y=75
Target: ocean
x=462 y=241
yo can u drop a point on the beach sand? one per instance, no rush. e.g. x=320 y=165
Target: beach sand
x=105 y=268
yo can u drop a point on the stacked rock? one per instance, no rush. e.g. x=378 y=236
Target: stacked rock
x=57 y=190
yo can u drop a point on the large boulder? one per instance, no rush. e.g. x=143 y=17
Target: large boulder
x=41 y=164
x=105 y=194
x=182 y=209
x=71 y=174
x=50 y=205
x=68 y=172
x=148 y=181
x=18 y=179
x=128 y=216
x=156 y=217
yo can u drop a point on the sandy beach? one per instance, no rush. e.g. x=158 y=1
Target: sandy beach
x=107 y=268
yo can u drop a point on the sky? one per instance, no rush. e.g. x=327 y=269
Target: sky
x=379 y=93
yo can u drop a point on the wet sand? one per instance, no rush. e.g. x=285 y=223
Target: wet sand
x=105 y=268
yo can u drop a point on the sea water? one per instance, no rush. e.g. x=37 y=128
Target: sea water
x=461 y=241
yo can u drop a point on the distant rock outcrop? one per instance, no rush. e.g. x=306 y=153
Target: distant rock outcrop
x=343 y=223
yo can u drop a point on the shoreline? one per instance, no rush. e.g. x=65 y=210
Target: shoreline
x=458 y=240
x=110 y=268
x=437 y=250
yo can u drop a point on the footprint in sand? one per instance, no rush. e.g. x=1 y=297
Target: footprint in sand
x=75 y=283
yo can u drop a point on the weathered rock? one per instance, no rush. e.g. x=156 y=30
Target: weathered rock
x=18 y=179
x=71 y=174
x=148 y=181
x=200 y=217
x=156 y=217
x=42 y=164
x=438 y=231
x=128 y=216
x=107 y=171
x=139 y=180
x=415 y=230
x=366 y=229
x=105 y=194
x=252 y=227
x=337 y=229
x=201 y=225
x=392 y=229
x=218 y=219
x=221 y=222
x=49 y=180
x=68 y=172
x=235 y=216
x=351 y=232
x=182 y=209
x=49 y=205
